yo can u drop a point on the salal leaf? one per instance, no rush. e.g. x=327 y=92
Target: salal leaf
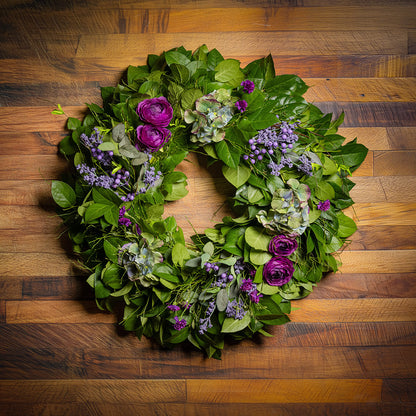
x=63 y=194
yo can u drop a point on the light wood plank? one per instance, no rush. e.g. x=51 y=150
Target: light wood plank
x=361 y=89
x=276 y=43
x=353 y=310
x=283 y=391
x=81 y=391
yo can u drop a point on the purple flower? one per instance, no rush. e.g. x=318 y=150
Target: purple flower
x=241 y=105
x=255 y=296
x=325 y=205
x=246 y=285
x=156 y=111
x=179 y=324
x=122 y=220
x=152 y=137
x=248 y=86
x=280 y=245
x=173 y=307
x=278 y=271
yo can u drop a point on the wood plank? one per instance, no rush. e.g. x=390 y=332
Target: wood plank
x=386 y=188
x=376 y=214
x=352 y=310
x=401 y=163
x=93 y=408
x=380 y=261
x=399 y=390
x=361 y=89
x=276 y=43
x=265 y=19
x=360 y=286
x=147 y=361
x=310 y=310
x=93 y=337
x=378 y=114
x=286 y=391
x=81 y=391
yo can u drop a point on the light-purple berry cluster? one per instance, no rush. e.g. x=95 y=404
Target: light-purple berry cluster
x=92 y=142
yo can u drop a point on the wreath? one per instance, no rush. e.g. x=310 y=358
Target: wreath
x=284 y=157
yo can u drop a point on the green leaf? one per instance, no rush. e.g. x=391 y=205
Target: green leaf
x=189 y=97
x=95 y=211
x=179 y=336
x=346 y=225
x=222 y=300
x=227 y=154
x=324 y=191
x=175 y=57
x=112 y=215
x=175 y=191
x=253 y=194
x=63 y=194
x=351 y=155
x=111 y=247
x=234 y=325
x=267 y=289
x=73 y=123
x=259 y=257
x=124 y=290
x=257 y=238
x=236 y=176
x=229 y=71
x=179 y=254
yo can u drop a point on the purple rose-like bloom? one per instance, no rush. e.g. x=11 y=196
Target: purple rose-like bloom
x=325 y=205
x=280 y=245
x=248 y=86
x=241 y=105
x=278 y=271
x=156 y=111
x=152 y=137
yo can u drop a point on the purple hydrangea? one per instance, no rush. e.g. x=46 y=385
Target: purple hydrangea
x=241 y=105
x=280 y=245
x=278 y=271
x=248 y=86
x=324 y=205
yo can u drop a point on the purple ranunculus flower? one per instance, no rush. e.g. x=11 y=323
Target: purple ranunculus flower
x=156 y=111
x=241 y=105
x=152 y=137
x=325 y=205
x=280 y=245
x=248 y=86
x=278 y=271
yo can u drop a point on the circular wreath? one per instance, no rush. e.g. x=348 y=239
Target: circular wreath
x=281 y=153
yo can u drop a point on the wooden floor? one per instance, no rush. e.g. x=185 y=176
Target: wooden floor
x=351 y=346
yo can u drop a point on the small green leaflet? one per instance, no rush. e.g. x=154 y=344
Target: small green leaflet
x=236 y=176
x=235 y=325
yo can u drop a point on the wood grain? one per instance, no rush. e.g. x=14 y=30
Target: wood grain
x=350 y=347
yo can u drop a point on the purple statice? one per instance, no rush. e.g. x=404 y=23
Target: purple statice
x=246 y=285
x=248 y=86
x=275 y=168
x=205 y=323
x=179 y=324
x=250 y=288
x=151 y=176
x=239 y=266
x=89 y=175
x=92 y=142
x=255 y=296
x=235 y=309
x=173 y=307
x=241 y=105
x=324 y=205
x=305 y=165
x=122 y=220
